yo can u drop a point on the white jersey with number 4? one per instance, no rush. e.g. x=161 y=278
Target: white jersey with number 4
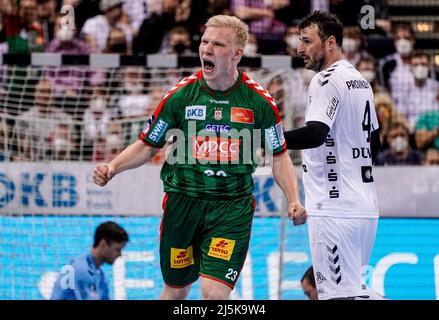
x=337 y=175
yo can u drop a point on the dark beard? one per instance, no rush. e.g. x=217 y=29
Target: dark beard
x=317 y=65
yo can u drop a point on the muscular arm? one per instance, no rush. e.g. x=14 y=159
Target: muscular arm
x=285 y=176
x=132 y=157
x=312 y=135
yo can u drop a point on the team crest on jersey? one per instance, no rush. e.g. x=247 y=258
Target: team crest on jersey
x=218 y=114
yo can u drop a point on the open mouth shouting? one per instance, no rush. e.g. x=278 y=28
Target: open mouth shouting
x=208 y=66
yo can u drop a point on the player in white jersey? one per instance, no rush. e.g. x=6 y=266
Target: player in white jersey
x=341 y=140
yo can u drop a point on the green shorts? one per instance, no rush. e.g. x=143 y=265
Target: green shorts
x=207 y=238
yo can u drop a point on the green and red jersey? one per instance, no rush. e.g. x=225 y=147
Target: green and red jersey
x=219 y=132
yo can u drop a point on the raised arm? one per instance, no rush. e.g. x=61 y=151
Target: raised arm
x=132 y=157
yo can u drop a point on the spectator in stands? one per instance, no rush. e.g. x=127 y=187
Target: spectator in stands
x=427 y=130
x=46 y=16
x=260 y=17
x=431 y=157
x=421 y=96
x=178 y=42
x=116 y=42
x=37 y=129
x=96 y=30
x=400 y=151
x=395 y=69
x=87 y=280
x=292 y=40
x=84 y=9
x=252 y=47
x=62 y=143
x=138 y=10
x=367 y=67
x=97 y=116
x=308 y=284
x=66 y=40
x=154 y=29
x=24 y=34
x=276 y=89
x=354 y=44
x=133 y=101
x=387 y=114
x=114 y=141
x=68 y=81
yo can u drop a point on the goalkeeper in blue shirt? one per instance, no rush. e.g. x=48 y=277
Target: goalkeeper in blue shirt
x=83 y=278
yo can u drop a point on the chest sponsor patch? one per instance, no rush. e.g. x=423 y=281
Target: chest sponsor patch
x=213 y=127
x=242 y=115
x=181 y=258
x=221 y=248
x=330 y=111
x=158 y=130
x=215 y=149
x=195 y=113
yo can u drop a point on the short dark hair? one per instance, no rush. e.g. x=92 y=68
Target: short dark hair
x=327 y=23
x=399 y=124
x=403 y=26
x=309 y=274
x=110 y=231
x=420 y=54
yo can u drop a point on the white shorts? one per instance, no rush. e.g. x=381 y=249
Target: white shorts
x=340 y=248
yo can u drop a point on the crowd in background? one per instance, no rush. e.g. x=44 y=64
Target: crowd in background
x=109 y=106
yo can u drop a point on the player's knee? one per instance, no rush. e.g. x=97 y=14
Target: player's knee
x=213 y=290
x=170 y=293
x=210 y=294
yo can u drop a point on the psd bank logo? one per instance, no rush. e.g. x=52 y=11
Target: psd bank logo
x=39 y=189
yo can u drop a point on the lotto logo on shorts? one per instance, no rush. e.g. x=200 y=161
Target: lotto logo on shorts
x=221 y=248
x=181 y=258
x=214 y=148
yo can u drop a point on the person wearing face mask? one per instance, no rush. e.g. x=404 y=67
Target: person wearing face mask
x=367 y=67
x=67 y=81
x=354 y=44
x=133 y=102
x=422 y=93
x=400 y=151
x=395 y=69
x=96 y=30
x=116 y=42
x=178 y=42
x=292 y=39
x=251 y=48
x=66 y=41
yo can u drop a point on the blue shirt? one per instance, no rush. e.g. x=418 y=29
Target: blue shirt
x=87 y=281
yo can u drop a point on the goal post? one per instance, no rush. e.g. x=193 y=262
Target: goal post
x=92 y=107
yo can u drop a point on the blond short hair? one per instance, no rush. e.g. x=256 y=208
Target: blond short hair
x=240 y=27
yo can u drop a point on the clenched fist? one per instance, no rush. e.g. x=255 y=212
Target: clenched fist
x=102 y=173
x=297 y=213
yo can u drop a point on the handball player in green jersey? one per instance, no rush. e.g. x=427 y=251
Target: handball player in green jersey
x=218 y=118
